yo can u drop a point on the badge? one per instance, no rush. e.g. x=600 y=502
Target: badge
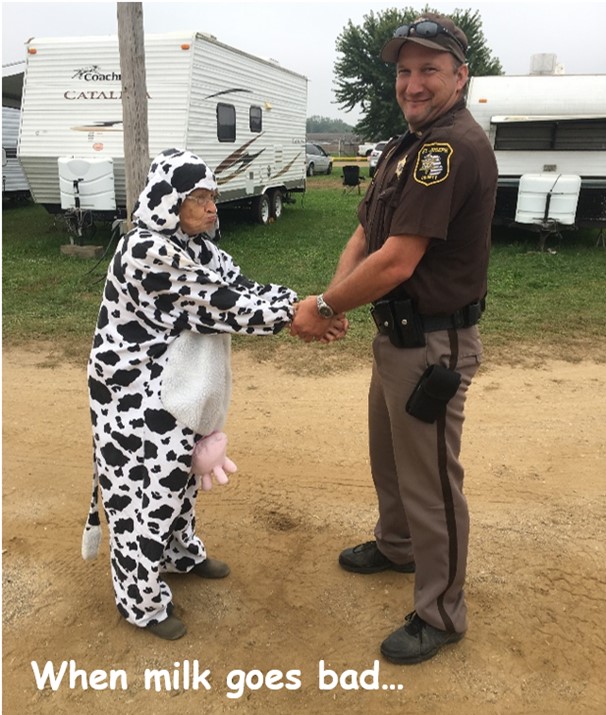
x=400 y=166
x=433 y=163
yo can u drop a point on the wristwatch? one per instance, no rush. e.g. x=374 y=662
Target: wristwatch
x=323 y=308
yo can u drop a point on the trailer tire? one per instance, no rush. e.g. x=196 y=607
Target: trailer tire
x=261 y=209
x=276 y=204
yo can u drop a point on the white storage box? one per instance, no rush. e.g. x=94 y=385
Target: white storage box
x=548 y=197
x=87 y=183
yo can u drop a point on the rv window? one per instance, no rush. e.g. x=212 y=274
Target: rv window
x=561 y=135
x=226 y=123
x=255 y=119
x=524 y=136
x=582 y=135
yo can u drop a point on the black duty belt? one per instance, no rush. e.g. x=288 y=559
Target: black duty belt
x=464 y=318
x=406 y=328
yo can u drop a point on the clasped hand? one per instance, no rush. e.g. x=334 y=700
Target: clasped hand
x=309 y=325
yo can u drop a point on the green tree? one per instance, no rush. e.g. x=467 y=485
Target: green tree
x=317 y=124
x=363 y=80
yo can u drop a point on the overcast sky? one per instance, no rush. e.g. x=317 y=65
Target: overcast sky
x=301 y=35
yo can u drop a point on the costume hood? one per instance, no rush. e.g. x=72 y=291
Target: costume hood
x=173 y=175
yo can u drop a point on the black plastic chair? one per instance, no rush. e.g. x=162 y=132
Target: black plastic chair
x=351 y=178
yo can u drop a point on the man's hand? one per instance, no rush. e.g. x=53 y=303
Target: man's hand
x=339 y=325
x=309 y=325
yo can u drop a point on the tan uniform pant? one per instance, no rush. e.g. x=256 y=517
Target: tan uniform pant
x=417 y=474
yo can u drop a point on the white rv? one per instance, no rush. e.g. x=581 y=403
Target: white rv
x=245 y=116
x=14 y=183
x=549 y=137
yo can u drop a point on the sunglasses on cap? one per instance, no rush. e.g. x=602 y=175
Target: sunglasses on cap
x=426 y=29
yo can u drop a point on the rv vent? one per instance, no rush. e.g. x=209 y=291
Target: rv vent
x=545 y=63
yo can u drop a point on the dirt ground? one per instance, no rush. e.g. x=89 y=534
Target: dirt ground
x=535 y=456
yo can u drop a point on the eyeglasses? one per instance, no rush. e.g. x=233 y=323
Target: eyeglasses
x=426 y=28
x=203 y=200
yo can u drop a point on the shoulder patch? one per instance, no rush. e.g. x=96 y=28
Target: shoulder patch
x=433 y=163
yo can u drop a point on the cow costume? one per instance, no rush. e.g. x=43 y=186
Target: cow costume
x=164 y=290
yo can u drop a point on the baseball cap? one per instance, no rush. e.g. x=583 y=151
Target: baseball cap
x=434 y=31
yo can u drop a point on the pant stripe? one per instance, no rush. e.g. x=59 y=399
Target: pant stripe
x=449 y=512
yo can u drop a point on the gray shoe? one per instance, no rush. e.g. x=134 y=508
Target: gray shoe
x=366 y=558
x=211 y=568
x=416 y=641
x=170 y=628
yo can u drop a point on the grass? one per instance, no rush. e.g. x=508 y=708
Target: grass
x=541 y=304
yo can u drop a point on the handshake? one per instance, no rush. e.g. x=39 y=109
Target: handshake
x=309 y=325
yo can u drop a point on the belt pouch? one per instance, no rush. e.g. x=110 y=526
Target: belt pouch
x=433 y=391
x=474 y=312
x=407 y=324
x=383 y=317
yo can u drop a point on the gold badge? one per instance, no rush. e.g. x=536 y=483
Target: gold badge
x=433 y=163
x=400 y=166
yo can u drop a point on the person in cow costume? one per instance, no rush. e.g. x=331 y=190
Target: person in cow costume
x=159 y=381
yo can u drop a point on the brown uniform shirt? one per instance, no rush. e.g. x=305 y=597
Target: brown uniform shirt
x=439 y=183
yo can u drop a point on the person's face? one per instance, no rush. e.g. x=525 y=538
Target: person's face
x=198 y=212
x=428 y=83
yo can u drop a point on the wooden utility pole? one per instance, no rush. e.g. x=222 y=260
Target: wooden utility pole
x=134 y=100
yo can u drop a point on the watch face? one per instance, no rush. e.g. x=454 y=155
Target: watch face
x=323 y=308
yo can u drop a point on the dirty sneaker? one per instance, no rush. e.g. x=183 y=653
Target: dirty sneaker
x=169 y=629
x=211 y=568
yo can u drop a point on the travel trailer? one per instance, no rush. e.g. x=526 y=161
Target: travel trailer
x=245 y=116
x=549 y=137
x=14 y=183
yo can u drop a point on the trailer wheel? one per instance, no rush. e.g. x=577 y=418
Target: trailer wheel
x=261 y=209
x=277 y=204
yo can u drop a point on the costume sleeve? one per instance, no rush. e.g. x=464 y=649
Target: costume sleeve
x=229 y=269
x=172 y=291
